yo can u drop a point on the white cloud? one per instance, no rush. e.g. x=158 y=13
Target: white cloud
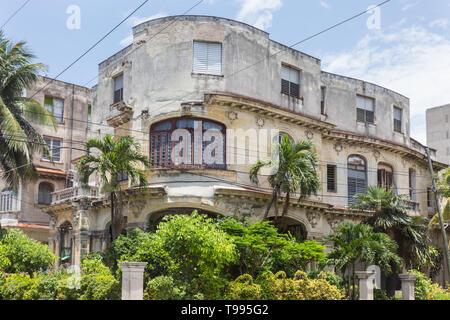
x=258 y=13
x=134 y=21
x=412 y=61
x=440 y=23
x=409 y=5
x=325 y=4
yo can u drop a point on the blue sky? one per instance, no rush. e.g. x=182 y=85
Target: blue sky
x=408 y=51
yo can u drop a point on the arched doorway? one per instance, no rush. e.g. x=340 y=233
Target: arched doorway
x=155 y=218
x=65 y=254
x=288 y=225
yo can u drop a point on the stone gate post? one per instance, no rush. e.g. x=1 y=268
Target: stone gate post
x=407 y=280
x=133 y=280
x=365 y=284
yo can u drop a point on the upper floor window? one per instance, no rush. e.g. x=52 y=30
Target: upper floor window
x=385 y=176
x=54 y=146
x=118 y=89
x=322 y=100
x=121 y=177
x=331 y=178
x=45 y=193
x=207 y=58
x=89 y=117
x=446 y=118
x=398 y=115
x=357 y=177
x=8 y=200
x=290 y=81
x=412 y=184
x=365 y=109
x=187 y=142
x=56 y=107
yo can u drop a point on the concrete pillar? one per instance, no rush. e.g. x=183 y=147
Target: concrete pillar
x=365 y=284
x=407 y=280
x=133 y=280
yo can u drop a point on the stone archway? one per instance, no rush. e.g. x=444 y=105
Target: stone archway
x=153 y=219
x=290 y=225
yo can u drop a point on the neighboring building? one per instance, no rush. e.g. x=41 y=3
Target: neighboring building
x=438 y=131
x=217 y=77
x=70 y=105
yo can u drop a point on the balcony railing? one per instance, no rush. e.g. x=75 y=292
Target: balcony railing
x=8 y=202
x=74 y=193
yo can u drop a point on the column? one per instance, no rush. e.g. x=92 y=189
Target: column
x=407 y=280
x=132 y=280
x=365 y=284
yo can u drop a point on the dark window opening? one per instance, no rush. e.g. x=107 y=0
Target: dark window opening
x=45 y=193
x=331 y=178
x=290 y=81
x=357 y=177
x=118 y=89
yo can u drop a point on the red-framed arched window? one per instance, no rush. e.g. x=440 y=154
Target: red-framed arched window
x=188 y=142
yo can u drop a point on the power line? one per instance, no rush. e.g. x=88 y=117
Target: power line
x=92 y=47
x=14 y=14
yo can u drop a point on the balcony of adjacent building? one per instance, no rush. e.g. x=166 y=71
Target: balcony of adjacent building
x=74 y=193
x=9 y=207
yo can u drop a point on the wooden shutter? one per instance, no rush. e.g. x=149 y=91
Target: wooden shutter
x=331 y=178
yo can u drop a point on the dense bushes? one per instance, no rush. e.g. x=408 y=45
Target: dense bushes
x=425 y=289
x=21 y=254
x=279 y=287
x=95 y=282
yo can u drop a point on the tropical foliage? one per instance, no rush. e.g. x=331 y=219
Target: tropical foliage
x=390 y=217
x=21 y=254
x=18 y=138
x=358 y=243
x=109 y=158
x=295 y=172
x=425 y=289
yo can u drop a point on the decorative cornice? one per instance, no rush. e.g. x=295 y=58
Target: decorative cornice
x=266 y=109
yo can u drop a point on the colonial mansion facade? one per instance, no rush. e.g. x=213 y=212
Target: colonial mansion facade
x=224 y=88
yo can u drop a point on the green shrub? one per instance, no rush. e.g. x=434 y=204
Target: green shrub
x=243 y=288
x=332 y=278
x=18 y=286
x=21 y=254
x=97 y=281
x=425 y=289
x=164 y=288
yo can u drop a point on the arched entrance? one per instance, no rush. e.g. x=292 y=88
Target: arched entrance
x=292 y=226
x=155 y=218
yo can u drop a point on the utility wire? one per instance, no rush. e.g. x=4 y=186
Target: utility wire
x=14 y=14
x=92 y=47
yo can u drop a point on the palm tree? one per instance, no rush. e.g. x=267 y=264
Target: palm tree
x=358 y=243
x=390 y=216
x=18 y=138
x=296 y=171
x=116 y=157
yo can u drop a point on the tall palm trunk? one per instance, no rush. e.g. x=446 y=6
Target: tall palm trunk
x=286 y=203
x=271 y=202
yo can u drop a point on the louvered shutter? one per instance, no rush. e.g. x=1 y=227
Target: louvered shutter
x=200 y=57
x=214 y=58
x=331 y=178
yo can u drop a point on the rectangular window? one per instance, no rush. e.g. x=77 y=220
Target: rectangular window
x=89 y=118
x=118 y=89
x=412 y=185
x=56 y=107
x=290 y=81
x=207 y=58
x=446 y=118
x=55 y=149
x=430 y=201
x=365 y=109
x=322 y=100
x=398 y=114
x=331 y=178
x=121 y=177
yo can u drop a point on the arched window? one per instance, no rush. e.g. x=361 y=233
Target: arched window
x=187 y=143
x=357 y=177
x=66 y=243
x=280 y=137
x=385 y=176
x=45 y=193
x=8 y=200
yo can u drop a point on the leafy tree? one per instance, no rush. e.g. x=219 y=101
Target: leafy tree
x=255 y=243
x=443 y=183
x=297 y=255
x=116 y=156
x=411 y=234
x=190 y=249
x=21 y=254
x=18 y=138
x=296 y=171
x=353 y=243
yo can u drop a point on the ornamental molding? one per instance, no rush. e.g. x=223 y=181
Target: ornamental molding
x=313 y=218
